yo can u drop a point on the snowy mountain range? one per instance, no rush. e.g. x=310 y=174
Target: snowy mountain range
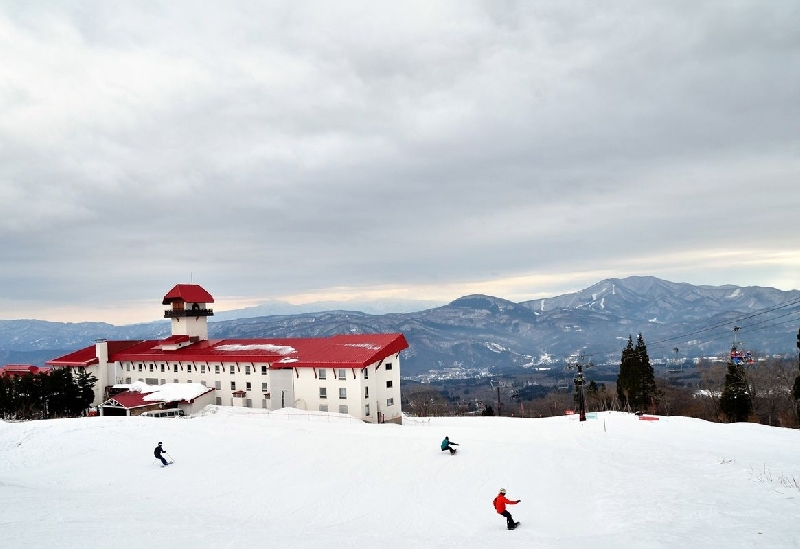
x=485 y=332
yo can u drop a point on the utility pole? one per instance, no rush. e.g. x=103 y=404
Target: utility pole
x=499 y=404
x=579 y=381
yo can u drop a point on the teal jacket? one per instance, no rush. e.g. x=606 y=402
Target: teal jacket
x=445 y=443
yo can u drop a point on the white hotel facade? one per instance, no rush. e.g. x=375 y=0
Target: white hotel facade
x=355 y=374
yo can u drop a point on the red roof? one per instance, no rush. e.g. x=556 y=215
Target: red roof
x=189 y=293
x=339 y=351
x=21 y=369
x=88 y=355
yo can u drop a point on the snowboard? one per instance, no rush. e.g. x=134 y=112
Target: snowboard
x=516 y=524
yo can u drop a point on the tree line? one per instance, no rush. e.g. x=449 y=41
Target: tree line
x=60 y=392
x=766 y=392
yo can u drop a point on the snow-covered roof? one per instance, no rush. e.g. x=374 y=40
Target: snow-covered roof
x=141 y=394
x=339 y=351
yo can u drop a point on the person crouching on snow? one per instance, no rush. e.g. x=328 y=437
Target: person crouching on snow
x=447 y=445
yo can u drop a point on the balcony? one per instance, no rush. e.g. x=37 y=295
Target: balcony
x=183 y=313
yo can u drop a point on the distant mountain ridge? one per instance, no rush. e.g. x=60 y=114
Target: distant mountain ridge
x=485 y=332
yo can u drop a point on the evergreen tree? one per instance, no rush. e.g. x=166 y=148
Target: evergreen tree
x=647 y=378
x=7 y=405
x=85 y=383
x=626 y=376
x=735 y=401
x=636 y=383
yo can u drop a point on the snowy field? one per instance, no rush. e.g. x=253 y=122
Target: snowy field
x=248 y=479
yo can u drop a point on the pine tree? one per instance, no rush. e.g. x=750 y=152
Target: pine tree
x=735 y=401
x=636 y=383
x=647 y=377
x=627 y=375
x=85 y=383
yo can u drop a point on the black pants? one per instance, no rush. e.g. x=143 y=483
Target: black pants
x=452 y=450
x=164 y=461
x=509 y=520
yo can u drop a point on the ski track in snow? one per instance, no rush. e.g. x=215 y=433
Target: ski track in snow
x=300 y=481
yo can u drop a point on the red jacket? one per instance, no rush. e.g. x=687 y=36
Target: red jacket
x=501 y=501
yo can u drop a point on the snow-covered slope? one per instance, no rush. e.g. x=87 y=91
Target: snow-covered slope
x=246 y=478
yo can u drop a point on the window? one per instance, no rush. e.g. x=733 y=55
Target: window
x=323 y=393
x=216 y=368
x=342 y=374
x=263 y=370
x=343 y=408
x=233 y=385
x=323 y=407
x=162 y=367
x=127 y=380
x=248 y=403
x=342 y=393
x=218 y=385
x=233 y=369
x=151 y=381
x=203 y=382
x=366 y=409
x=140 y=366
x=174 y=367
x=218 y=401
x=389 y=401
x=151 y=367
x=388 y=365
x=264 y=388
x=202 y=368
x=366 y=373
x=175 y=381
x=162 y=382
x=366 y=392
x=323 y=373
x=247 y=370
x=389 y=384
x=188 y=381
x=263 y=402
x=127 y=367
x=247 y=386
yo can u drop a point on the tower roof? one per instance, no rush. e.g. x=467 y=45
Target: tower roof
x=190 y=293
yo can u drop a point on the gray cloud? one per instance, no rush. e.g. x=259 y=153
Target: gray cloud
x=281 y=149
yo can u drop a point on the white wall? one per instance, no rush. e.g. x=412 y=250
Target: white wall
x=299 y=386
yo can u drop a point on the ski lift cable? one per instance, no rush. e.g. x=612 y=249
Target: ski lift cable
x=750 y=330
x=762 y=325
x=727 y=323
x=658 y=344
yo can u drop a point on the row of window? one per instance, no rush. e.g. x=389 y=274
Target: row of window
x=343 y=409
x=323 y=391
x=322 y=373
x=248 y=369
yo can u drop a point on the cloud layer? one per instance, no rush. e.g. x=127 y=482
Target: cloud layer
x=420 y=150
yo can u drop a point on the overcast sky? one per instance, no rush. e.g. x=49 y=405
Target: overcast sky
x=309 y=151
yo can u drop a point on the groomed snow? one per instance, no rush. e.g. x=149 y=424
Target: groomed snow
x=248 y=478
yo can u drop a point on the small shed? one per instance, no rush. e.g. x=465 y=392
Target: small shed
x=137 y=398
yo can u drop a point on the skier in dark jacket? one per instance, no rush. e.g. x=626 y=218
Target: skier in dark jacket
x=158 y=451
x=447 y=445
x=500 y=503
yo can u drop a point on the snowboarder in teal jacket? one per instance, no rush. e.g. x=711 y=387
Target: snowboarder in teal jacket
x=447 y=445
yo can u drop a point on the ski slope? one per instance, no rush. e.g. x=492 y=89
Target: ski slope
x=247 y=478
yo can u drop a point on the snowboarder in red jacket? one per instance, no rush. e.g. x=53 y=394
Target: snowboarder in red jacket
x=500 y=503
